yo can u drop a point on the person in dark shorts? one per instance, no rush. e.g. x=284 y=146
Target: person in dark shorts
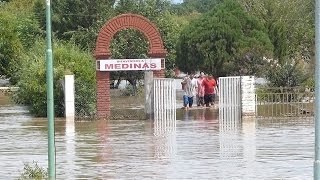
x=209 y=84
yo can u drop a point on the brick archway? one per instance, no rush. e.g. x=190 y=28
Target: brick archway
x=102 y=52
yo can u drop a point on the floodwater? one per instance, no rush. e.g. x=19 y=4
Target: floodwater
x=197 y=146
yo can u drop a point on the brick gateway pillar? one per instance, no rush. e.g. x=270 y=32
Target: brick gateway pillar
x=102 y=52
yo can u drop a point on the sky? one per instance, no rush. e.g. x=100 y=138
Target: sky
x=177 y=1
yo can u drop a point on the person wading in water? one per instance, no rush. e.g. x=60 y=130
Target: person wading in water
x=200 y=91
x=189 y=86
x=209 y=84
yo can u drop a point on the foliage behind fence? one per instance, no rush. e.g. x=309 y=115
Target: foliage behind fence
x=124 y=103
x=85 y=99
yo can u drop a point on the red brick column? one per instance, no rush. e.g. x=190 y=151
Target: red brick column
x=160 y=73
x=103 y=94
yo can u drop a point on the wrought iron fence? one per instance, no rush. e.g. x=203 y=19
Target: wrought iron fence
x=279 y=102
x=85 y=100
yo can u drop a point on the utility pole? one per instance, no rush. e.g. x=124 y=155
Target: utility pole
x=317 y=93
x=50 y=109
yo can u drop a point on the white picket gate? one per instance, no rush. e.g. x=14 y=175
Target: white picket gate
x=164 y=104
x=230 y=101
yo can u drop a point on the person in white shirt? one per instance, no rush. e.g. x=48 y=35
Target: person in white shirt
x=189 y=86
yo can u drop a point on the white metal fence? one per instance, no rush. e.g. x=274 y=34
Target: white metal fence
x=164 y=103
x=229 y=101
x=164 y=108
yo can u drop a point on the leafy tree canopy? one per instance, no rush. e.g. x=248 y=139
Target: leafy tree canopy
x=290 y=26
x=18 y=29
x=72 y=17
x=224 y=41
x=129 y=44
x=190 y=6
x=133 y=44
x=286 y=75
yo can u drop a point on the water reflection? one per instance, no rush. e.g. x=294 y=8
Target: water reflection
x=70 y=145
x=4 y=100
x=229 y=118
x=164 y=137
x=198 y=114
x=188 y=115
x=104 y=148
x=249 y=148
x=283 y=122
x=229 y=140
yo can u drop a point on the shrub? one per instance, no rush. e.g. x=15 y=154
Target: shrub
x=286 y=75
x=133 y=91
x=67 y=59
x=33 y=171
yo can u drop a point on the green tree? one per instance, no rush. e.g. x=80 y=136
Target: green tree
x=73 y=25
x=68 y=17
x=224 y=41
x=18 y=31
x=78 y=21
x=133 y=44
x=128 y=44
x=157 y=11
x=189 y=6
x=291 y=29
x=10 y=44
x=290 y=26
x=286 y=75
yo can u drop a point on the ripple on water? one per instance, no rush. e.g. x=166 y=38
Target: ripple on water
x=194 y=149
x=13 y=110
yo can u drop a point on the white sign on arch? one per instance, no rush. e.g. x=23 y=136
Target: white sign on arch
x=129 y=64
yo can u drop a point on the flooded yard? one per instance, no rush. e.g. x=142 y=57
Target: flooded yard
x=199 y=147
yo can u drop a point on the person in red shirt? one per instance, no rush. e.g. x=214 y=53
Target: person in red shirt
x=209 y=84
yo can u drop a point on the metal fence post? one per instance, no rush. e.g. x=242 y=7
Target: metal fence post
x=317 y=93
x=50 y=100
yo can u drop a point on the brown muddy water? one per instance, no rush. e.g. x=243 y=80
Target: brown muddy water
x=199 y=147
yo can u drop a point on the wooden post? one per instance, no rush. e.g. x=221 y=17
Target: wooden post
x=148 y=94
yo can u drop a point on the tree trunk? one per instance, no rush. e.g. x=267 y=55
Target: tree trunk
x=118 y=83
x=133 y=82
